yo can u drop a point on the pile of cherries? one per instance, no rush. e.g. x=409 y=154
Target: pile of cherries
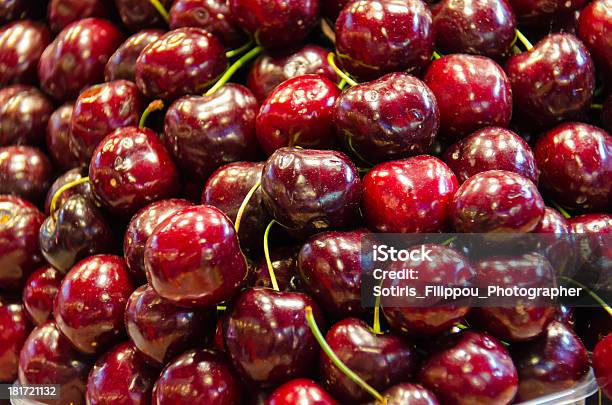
x=170 y=237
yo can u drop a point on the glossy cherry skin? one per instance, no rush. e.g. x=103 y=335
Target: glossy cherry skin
x=268 y=338
x=491 y=148
x=14 y=329
x=182 y=61
x=496 y=201
x=276 y=24
x=121 y=376
x=300 y=391
x=552 y=82
x=602 y=364
x=21 y=44
x=477 y=27
x=285 y=265
x=24 y=113
x=542 y=12
x=413 y=394
x=270 y=70
x=473 y=368
x=310 y=191
x=298 y=112
x=554 y=362
x=19 y=251
x=98 y=111
x=122 y=64
x=58 y=138
x=131 y=168
x=140 y=14
x=193 y=258
x=26 y=172
x=227 y=188
x=594 y=27
x=60 y=13
x=62 y=180
x=208 y=375
x=160 y=330
x=383 y=36
x=39 y=293
x=90 y=303
x=409 y=195
x=206 y=132
x=76 y=57
x=575 y=162
x=482 y=86
x=141 y=227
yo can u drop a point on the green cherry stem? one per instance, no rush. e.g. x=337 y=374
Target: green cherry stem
x=239 y=51
x=221 y=308
x=267 y=255
x=376 y=323
x=160 y=9
x=597 y=106
x=60 y=191
x=244 y=204
x=342 y=84
x=592 y=293
x=524 y=40
x=152 y=107
x=331 y=60
x=234 y=68
x=436 y=55
x=563 y=212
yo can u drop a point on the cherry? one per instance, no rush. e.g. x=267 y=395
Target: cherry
x=276 y=24
x=98 y=111
x=478 y=27
x=409 y=195
x=25 y=171
x=541 y=13
x=122 y=64
x=24 y=113
x=14 y=330
x=594 y=25
x=473 y=368
x=285 y=266
x=70 y=176
x=591 y=223
x=48 y=357
x=39 y=293
x=552 y=82
x=261 y=336
x=413 y=394
x=575 y=162
x=482 y=86
x=61 y=13
x=602 y=364
x=383 y=36
x=120 y=373
x=390 y=118
x=208 y=375
x=182 y=61
x=270 y=70
x=300 y=112
x=139 y=14
x=554 y=362
x=160 y=330
x=310 y=191
x=76 y=57
x=141 y=227
x=90 y=303
x=300 y=391
x=210 y=269
x=19 y=252
x=21 y=44
x=58 y=138
x=131 y=168
x=206 y=132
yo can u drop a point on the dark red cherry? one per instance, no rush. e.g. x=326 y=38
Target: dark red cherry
x=60 y=13
x=480 y=84
x=552 y=222
x=25 y=172
x=543 y=12
x=496 y=201
x=131 y=168
x=594 y=27
x=58 y=138
x=298 y=112
x=122 y=64
x=602 y=364
x=591 y=223
x=21 y=44
x=491 y=148
x=182 y=61
x=68 y=177
x=206 y=132
x=409 y=195
x=268 y=338
x=140 y=14
x=412 y=394
x=300 y=391
x=91 y=301
x=310 y=191
x=270 y=70
x=575 y=162
x=98 y=111
x=24 y=113
x=121 y=375
x=210 y=268
x=472 y=368
x=478 y=27
x=208 y=375
x=14 y=329
x=380 y=360
x=554 y=362
x=48 y=357
x=276 y=24
x=375 y=37
x=284 y=261
x=141 y=227
x=160 y=330
x=39 y=293
x=76 y=58
x=552 y=82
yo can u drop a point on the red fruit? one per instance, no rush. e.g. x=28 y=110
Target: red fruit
x=39 y=293
x=602 y=365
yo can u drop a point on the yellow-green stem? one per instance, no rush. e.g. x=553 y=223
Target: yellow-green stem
x=234 y=68
x=267 y=255
x=592 y=293
x=342 y=84
x=152 y=107
x=60 y=191
x=597 y=106
x=239 y=51
x=376 y=323
x=436 y=55
x=524 y=40
x=563 y=212
x=160 y=9
x=221 y=308
x=331 y=60
x=244 y=204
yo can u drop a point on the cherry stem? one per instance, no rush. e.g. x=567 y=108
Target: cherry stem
x=234 y=68
x=328 y=31
x=63 y=188
x=436 y=55
x=152 y=107
x=244 y=204
x=221 y=308
x=597 y=106
x=376 y=323
x=160 y=9
x=239 y=51
x=524 y=40
x=336 y=361
x=267 y=255
x=331 y=60
x=448 y=241
x=342 y=84
x=563 y=212
x=592 y=293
